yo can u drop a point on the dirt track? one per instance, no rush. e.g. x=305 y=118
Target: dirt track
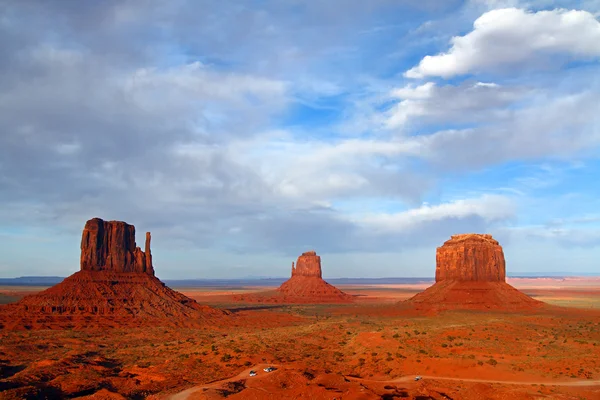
x=245 y=374
x=409 y=378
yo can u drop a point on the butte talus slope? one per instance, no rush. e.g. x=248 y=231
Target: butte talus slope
x=471 y=274
x=115 y=286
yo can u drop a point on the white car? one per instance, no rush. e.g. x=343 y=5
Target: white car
x=269 y=369
x=252 y=373
x=417 y=378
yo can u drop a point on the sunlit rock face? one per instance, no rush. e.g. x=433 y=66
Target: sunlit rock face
x=470 y=257
x=308 y=264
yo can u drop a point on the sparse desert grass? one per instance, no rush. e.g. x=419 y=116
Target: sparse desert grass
x=373 y=341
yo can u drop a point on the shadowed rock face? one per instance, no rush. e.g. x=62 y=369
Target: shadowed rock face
x=110 y=246
x=470 y=257
x=308 y=264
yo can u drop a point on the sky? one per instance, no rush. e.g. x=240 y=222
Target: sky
x=243 y=133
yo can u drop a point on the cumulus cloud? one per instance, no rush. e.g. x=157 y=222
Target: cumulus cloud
x=559 y=128
x=217 y=127
x=488 y=208
x=567 y=237
x=510 y=37
x=478 y=101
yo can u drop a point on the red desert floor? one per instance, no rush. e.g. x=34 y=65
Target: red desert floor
x=371 y=349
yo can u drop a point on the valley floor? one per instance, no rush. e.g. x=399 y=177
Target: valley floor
x=368 y=350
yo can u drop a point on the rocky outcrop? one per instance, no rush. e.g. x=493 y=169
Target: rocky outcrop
x=306 y=285
x=470 y=257
x=470 y=274
x=115 y=287
x=308 y=264
x=110 y=246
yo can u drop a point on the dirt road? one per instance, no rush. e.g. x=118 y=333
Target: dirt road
x=405 y=379
x=411 y=378
x=245 y=374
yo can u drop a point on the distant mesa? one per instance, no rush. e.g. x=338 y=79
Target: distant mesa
x=306 y=285
x=471 y=274
x=116 y=283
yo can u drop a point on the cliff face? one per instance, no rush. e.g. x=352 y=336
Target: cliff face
x=470 y=257
x=110 y=246
x=308 y=264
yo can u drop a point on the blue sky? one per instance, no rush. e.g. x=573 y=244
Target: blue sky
x=244 y=133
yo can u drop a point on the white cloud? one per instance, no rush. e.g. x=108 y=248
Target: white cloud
x=317 y=171
x=515 y=37
x=583 y=237
x=489 y=208
x=562 y=127
x=476 y=101
x=200 y=81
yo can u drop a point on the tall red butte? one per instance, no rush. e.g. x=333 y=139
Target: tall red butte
x=306 y=285
x=471 y=274
x=115 y=286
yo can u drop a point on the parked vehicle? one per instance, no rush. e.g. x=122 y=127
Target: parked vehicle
x=252 y=373
x=269 y=369
x=417 y=378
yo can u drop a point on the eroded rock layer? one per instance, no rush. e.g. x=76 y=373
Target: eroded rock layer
x=110 y=246
x=470 y=257
x=308 y=264
x=473 y=295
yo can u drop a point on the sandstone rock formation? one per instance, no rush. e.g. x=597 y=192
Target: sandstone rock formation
x=470 y=274
x=306 y=285
x=470 y=257
x=309 y=264
x=110 y=246
x=116 y=286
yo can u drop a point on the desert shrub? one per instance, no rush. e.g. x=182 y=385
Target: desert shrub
x=491 y=361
